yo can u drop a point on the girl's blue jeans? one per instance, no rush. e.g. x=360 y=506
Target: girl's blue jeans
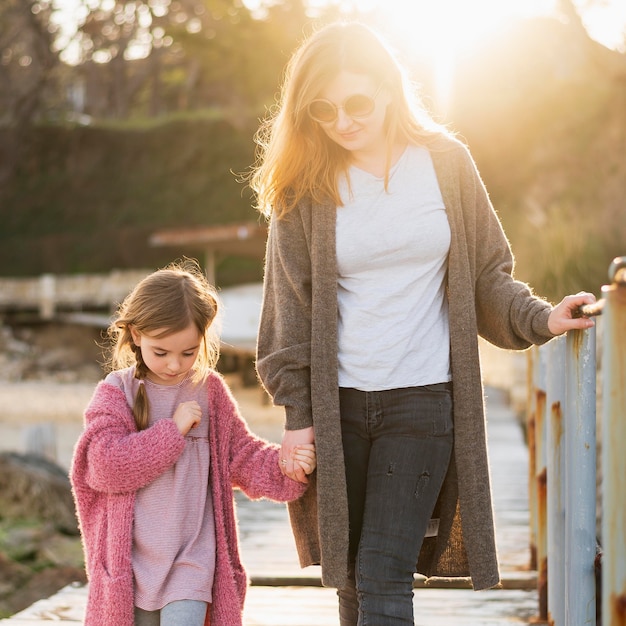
x=397 y=445
x=177 y=613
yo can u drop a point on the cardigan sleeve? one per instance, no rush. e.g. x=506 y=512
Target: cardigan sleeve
x=117 y=457
x=284 y=338
x=509 y=315
x=251 y=462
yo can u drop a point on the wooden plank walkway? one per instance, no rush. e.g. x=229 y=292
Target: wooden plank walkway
x=282 y=594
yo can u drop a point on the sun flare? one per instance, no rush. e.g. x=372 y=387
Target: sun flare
x=441 y=31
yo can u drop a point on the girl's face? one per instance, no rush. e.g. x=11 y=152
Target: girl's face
x=359 y=134
x=168 y=358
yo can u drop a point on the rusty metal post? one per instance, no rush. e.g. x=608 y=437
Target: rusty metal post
x=541 y=481
x=556 y=481
x=613 y=456
x=580 y=478
x=532 y=365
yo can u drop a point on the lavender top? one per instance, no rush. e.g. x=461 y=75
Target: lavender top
x=173 y=554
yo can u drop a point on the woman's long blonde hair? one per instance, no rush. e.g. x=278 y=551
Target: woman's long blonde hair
x=295 y=159
x=168 y=300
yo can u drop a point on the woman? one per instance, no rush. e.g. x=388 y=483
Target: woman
x=385 y=260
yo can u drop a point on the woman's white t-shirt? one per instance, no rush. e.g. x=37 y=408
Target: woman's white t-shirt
x=392 y=252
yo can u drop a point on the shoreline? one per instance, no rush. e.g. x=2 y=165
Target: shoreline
x=32 y=410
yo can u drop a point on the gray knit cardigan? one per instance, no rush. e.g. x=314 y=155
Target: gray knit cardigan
x=297 y=364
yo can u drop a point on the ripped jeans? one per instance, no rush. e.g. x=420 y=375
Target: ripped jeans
x=397 y=445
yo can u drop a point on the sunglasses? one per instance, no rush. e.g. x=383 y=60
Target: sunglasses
x=357 y=105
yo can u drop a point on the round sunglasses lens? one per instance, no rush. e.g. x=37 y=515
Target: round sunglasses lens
x=322 y=111
x=359 y=106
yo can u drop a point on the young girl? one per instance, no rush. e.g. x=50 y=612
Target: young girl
x=153 y=471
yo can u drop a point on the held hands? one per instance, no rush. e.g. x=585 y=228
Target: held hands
x=564 y=316
x=297 y=454
x=304 y=456
x=187 y=415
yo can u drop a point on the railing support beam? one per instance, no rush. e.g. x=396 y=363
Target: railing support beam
x=613 y=457
x=556 y=395
x=580 y=479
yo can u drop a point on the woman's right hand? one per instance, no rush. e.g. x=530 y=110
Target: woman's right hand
x=187 y=415
x=291 y=439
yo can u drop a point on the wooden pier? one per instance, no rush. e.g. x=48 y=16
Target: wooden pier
x=282 y=594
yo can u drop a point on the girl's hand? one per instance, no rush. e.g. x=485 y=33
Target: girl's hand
x=291 y=439
x=187 y=415
x=564 y=316
x=304 y=455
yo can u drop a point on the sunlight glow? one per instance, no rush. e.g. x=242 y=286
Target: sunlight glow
x=466 y=22
x=443 y=30
x=606 y=22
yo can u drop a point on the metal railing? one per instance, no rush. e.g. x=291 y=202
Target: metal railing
x=564 y=501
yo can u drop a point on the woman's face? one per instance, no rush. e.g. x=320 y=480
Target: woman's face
x=356 y=133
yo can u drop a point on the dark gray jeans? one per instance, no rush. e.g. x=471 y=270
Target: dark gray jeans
x=397 y=446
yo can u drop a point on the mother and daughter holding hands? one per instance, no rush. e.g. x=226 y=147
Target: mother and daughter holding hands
x=385 y=261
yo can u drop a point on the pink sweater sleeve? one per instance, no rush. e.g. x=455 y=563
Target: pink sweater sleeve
x=253 y=462
x=117 y=458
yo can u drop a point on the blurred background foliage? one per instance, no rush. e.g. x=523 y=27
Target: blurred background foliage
x=141 y=115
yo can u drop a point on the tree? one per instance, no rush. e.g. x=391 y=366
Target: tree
x=27 y=64
x=154 y=55
x=147 y=58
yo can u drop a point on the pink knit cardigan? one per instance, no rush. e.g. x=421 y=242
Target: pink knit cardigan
x=112 y=460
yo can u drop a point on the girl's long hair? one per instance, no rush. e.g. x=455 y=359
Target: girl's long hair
x=295 y=159
x=168 y=300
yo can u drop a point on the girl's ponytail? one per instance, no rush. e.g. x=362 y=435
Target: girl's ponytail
x=140 y=408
